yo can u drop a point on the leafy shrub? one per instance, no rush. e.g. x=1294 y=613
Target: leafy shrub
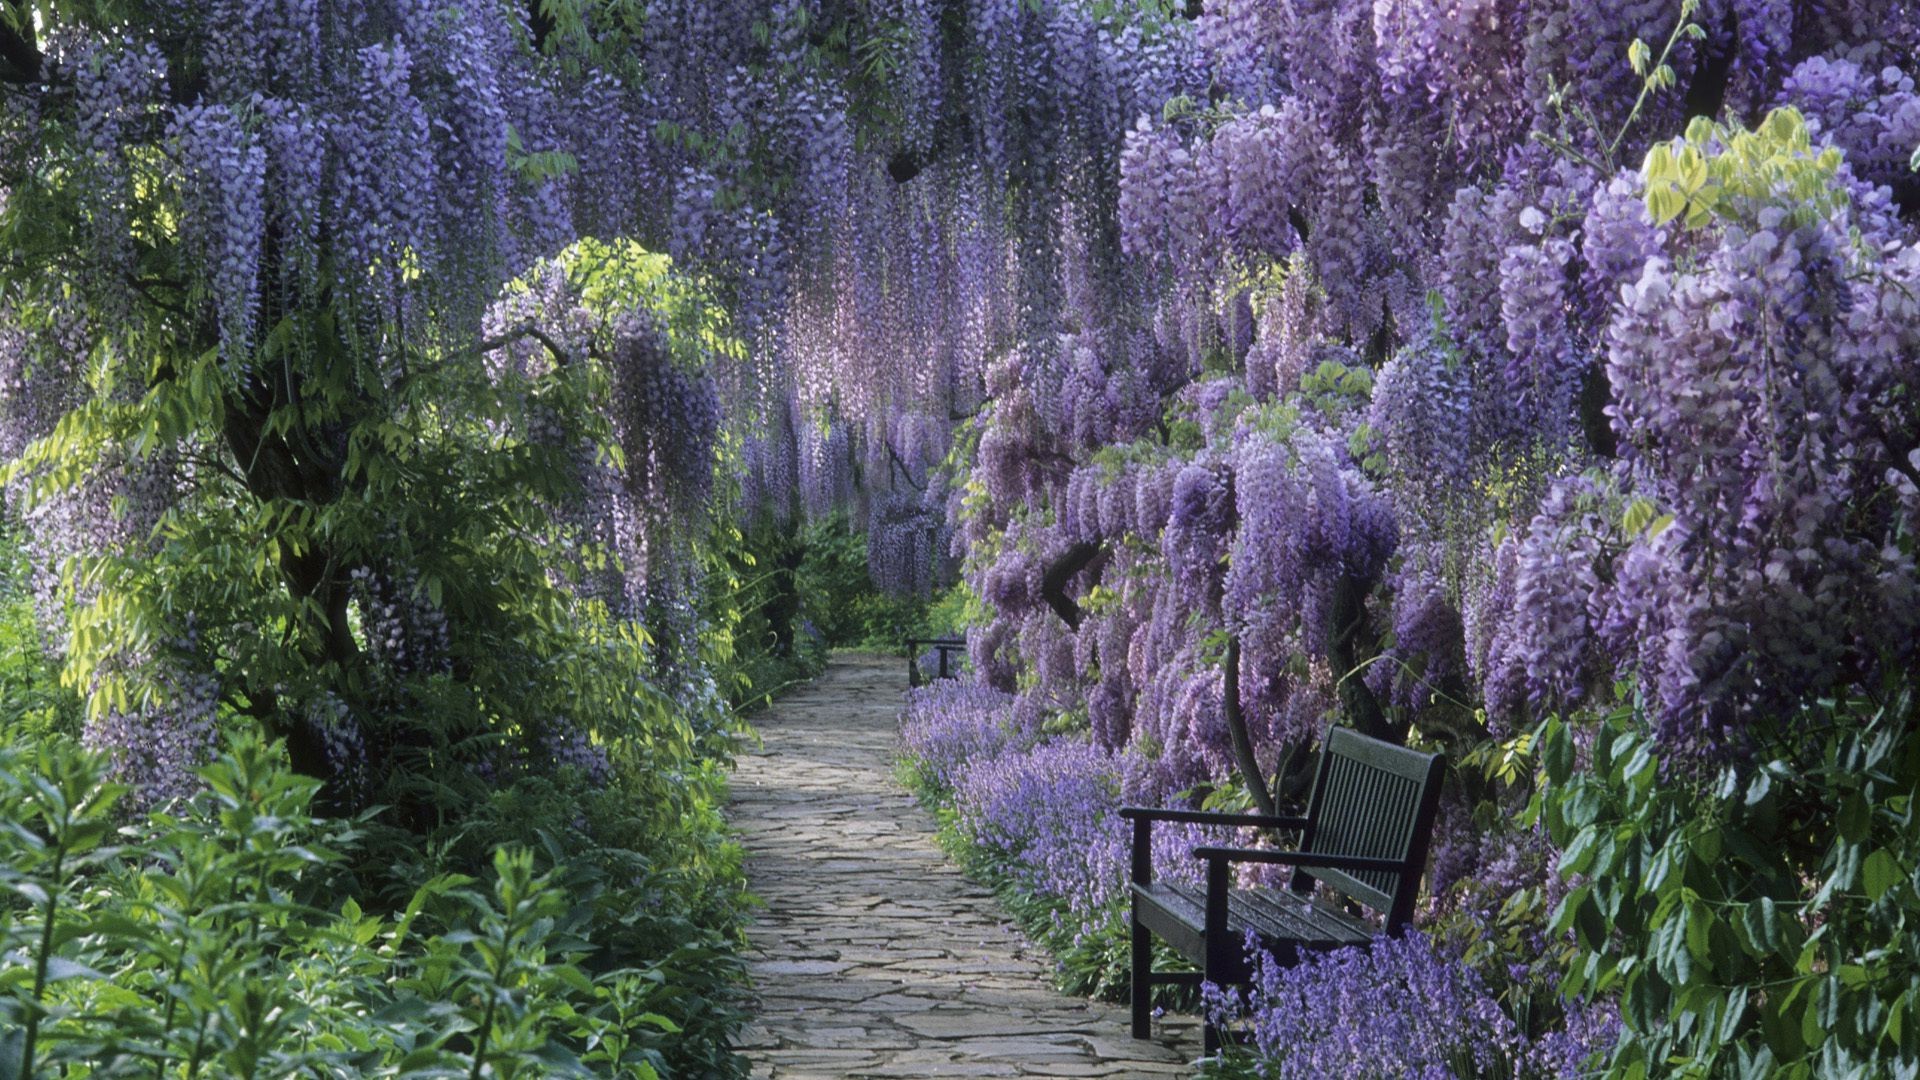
x=205 y=939
x=839 y=595
x=33 y=706
x=1753 y=918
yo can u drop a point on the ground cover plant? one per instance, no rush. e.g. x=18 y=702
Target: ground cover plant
x=481 y=403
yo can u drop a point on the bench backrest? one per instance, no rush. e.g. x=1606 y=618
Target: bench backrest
x=1374 y=799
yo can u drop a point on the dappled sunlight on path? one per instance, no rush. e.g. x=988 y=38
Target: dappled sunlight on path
x=875 y=957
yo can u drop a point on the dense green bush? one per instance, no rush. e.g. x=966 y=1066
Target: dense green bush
x=838 y=594
x=211 y=939
x=634 y=909
x=493 y=705
x=33 y=707
x=1754 y=919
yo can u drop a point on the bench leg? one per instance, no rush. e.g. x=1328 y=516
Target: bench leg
x=1142 y=981
x=1219 y=944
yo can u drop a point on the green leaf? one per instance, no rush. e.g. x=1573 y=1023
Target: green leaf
x=1706 y=846
x=60 y=968
x=658 y=1021
x=1879 y=874
x=1557 y=754
x=1638 y=515
x=1855 y=818
x=1700 y=932
x=1664 y=203
x=1812 y=1031
x=1757 y=920
x=1579 y=854
x=1582 y=806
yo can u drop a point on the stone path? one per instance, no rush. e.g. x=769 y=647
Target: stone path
x=875 y=957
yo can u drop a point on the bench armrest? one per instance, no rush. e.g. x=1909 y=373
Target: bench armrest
x=943 y=647
x=1309 y=860
x=1211 y=817
x=1143 y=817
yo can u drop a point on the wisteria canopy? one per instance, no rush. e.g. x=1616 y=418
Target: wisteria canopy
x=1251 y=365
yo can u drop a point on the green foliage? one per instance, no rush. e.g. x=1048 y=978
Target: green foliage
x=838 y=595
x=1755 y=919
x=760 y=639
x=1720 y=170
x=1657 y=74
x=206 y=941
x=34 y=707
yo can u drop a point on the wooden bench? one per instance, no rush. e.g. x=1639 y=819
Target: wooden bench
x=947 y=648
x=1365 y=836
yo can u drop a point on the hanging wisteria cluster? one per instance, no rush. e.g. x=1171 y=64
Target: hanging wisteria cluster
x=1453 y=366
x=1461 y=410
x=248 y=248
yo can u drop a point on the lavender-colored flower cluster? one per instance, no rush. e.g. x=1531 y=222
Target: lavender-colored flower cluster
x=1053 y=813
x=1588 y=1031
x=1199 y=526
x=170 y=729
x=1400 y=1008
x=948 y=725
x=904 y=540
x=667 y=419
x=405 y=632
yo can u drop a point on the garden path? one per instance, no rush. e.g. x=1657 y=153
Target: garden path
x=875 y=958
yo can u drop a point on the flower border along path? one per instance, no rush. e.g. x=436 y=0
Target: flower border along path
x=875 y=957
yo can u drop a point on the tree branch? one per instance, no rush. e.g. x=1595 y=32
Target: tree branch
x=527 y=330
x=1053 y=583
x=1353 y=630
x=904 y=471
x=1242 y=738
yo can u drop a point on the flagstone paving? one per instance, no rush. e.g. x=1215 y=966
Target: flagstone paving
x=875 y=958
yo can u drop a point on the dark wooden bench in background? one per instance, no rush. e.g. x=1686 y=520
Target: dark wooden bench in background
x=1365 y=836
x=949 y=650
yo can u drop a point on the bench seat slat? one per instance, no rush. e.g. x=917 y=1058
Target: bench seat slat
x=1278 y=917
x=1311 y=922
